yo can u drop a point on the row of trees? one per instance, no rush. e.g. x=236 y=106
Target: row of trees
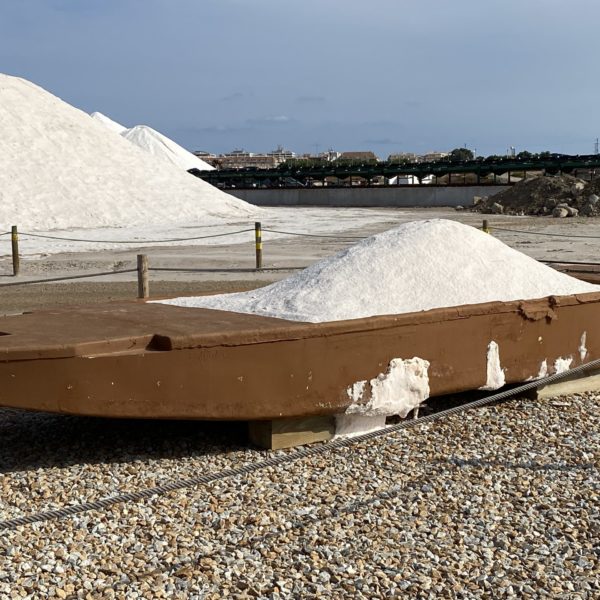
x=464 y=154
x=455 y=156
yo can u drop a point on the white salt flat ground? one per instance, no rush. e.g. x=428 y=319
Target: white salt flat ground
x=45 y=257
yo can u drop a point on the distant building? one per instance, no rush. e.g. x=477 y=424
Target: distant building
x=244 y=160
x=327 y=156
x=433 y=156
x=238 y=152
x=403 y=157
x=359 y=156
x=280 y=154
x=330 y=155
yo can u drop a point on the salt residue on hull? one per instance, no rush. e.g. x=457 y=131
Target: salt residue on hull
x=562 y=364
x=582 y=349
x=495 y=373
x=402 y=388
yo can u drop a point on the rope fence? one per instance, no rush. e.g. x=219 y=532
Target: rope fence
x=548 y=234
x=143 y=269
x=215 y=270
x=139 y=242
x=55 y=279
x=316 y=235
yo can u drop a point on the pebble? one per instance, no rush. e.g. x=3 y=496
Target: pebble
x=503 y=501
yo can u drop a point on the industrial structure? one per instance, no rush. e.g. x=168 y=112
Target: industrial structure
x=339 y=173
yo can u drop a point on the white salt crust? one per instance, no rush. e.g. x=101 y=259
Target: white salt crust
x=543 y=372
x=495 y=373
x=402 y=388
x=582 y=349
x=562 y=364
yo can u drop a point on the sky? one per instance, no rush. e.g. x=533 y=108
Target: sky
x=385 y=75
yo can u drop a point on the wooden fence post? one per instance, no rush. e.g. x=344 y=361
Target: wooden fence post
x=142 y=274
x=15 y=250
x=258 y=242
x=486 y=227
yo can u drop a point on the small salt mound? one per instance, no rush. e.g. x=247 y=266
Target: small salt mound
x=164 y=148
x=60 y=169
x=417 y=266
x=108 y=122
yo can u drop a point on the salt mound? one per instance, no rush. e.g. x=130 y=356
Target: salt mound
x=417 y=266
x=61 y=169
x=155 y=143
x=162 y=147
x=108 y=122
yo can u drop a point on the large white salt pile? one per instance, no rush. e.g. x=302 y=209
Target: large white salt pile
x=162 y=147
x=108 y=122
x=417 y=266
x=61 y=169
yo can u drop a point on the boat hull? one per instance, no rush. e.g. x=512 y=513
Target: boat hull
x=163 y=362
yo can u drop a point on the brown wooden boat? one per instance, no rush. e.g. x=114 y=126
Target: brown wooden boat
x=163 y=362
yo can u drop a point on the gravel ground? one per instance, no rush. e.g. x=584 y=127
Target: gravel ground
x=500 y=502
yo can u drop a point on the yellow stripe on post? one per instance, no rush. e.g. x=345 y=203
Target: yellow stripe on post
x=258 y=243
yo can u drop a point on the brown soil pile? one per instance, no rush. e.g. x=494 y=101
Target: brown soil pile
x=544 y=195
x=593 y=187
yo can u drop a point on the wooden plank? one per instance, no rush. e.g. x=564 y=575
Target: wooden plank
x=576 y=384
x=288 y=433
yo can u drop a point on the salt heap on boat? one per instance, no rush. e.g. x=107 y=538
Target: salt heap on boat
x=414 y=267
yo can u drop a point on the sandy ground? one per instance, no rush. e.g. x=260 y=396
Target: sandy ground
x=222 y=266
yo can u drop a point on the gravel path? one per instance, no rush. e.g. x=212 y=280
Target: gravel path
x=500 y=502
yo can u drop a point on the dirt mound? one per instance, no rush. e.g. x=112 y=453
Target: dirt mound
x=591 y=196
x=560 y=195
x=593 y=187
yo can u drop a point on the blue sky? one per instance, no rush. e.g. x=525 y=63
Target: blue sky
x=385 y=75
